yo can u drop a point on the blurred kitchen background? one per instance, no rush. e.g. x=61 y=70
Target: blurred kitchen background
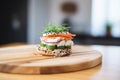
x=93 y=21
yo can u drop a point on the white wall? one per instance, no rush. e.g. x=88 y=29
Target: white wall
x=37 y=19
x=81 y=21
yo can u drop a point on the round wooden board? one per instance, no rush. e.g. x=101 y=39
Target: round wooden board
x=21 y=60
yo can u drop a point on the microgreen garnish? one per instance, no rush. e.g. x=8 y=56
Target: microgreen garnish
x=55 y=28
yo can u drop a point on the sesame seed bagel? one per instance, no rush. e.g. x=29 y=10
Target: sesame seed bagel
x=57 y=52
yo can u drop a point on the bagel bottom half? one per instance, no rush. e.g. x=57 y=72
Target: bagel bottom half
x=56 y=52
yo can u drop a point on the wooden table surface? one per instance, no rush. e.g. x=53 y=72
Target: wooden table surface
x=108 y=70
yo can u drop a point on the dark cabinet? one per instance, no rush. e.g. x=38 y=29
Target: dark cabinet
x=13 y=21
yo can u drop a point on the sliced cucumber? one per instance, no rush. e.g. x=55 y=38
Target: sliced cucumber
x=51 y=47
x=68 y=47
x=60 y=47
x=42 y=45
x=63 y=47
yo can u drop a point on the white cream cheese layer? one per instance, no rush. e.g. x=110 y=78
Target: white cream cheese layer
x=61 y=43
x=69 y=43
x=46 y=34
x=65 y=43
x=56 y=39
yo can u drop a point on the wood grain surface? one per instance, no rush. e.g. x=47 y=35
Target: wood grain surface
x=22 y=60
x=108 y=70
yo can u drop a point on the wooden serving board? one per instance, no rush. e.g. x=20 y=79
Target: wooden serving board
x=21 y=60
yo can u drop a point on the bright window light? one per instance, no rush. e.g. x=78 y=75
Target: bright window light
x=105 y=11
